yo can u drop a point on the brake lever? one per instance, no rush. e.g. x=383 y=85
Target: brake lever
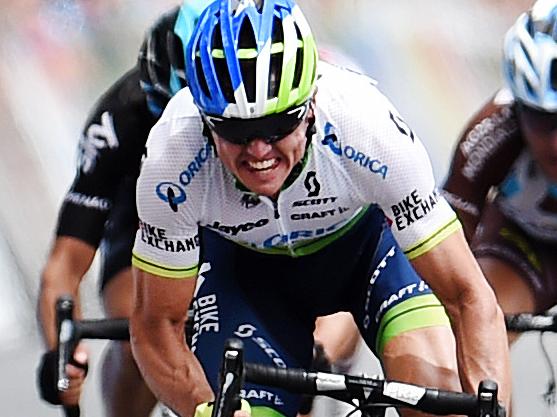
x=488 y=406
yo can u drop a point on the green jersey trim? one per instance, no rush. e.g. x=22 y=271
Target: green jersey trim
x=312 y=246
x=434 y=239
x=414 y=313
x=162 y=270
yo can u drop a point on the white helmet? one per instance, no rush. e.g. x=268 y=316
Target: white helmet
x=530 y=57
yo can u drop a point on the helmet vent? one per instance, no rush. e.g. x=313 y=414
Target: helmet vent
x=529 y=87
x=524 y=49
x=221 y=68
x=246 y=40
x=299 y=61
x=277 y=36
x=202 y=81
x=553 y=74
x=247 y=37
x=275 y=74
x=530 y=27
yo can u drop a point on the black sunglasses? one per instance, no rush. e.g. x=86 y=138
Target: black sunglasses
x=538 y=119
x=270 y=128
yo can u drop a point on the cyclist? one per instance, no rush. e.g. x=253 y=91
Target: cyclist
x=503 y=178
x=100 y=209
x=310 y=174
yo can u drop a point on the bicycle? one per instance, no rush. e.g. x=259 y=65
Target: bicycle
x=540 y=323
x=370 y=396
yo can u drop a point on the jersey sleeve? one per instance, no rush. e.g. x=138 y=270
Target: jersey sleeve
x=110 y=150
x=403 y=184
x=481 y=160
x=170 y=199
x=420 y=217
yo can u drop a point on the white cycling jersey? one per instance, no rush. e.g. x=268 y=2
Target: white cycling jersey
x=362 y=153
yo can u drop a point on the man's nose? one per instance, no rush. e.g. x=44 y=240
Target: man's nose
x=258 y=147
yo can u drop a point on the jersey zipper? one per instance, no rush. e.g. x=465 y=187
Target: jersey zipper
x=275 y=209
x=276 y=214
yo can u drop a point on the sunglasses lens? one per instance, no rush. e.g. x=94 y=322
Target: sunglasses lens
x=270 y=128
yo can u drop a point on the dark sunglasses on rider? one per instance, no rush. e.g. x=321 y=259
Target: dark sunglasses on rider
x=537 y=119
x=270 y=128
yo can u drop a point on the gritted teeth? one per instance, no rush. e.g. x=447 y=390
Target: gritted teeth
x=261 y=165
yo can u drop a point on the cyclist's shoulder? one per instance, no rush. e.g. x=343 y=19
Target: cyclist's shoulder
x=124 y=105
x=349 y=98
x=352 y=109
x=495 y=120
x=180 y=118
x=180 y=106
x=345 y=82
x=179 y=132
x=124 y=94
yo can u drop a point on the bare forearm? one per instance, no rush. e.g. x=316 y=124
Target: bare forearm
x=170 y=369
x=481 y=345
x=47 y=311
x=56 y=281
x=477 y=321
x=68 y=262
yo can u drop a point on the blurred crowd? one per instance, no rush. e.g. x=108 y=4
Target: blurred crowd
x=436 y=59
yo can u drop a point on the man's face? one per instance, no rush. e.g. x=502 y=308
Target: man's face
x=540 y=131
x=263 y=167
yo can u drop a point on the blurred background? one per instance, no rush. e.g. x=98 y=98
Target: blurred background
x=437 y=60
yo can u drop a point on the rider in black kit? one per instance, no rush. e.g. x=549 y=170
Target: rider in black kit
x=99 y=212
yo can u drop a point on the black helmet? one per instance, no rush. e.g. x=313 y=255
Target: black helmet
x=161 y=58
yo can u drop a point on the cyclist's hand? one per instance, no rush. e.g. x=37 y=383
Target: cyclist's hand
x=76 y=371
x=206 y=409
x=319 y=363
x=47 y=377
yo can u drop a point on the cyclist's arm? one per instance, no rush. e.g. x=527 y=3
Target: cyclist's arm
x=157 y=332
x=69 y=259
x=477 y=321
x=68 y=262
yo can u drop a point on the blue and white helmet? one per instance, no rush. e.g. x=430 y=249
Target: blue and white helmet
x=251 y=58
x=530 y=57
